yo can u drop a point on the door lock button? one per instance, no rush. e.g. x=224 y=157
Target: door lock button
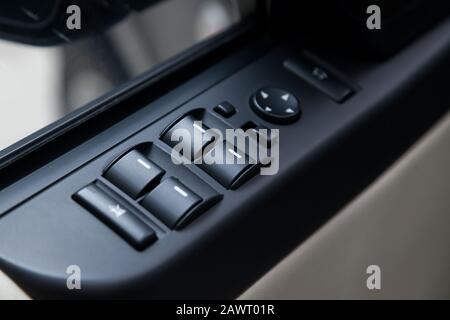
x=134 y=173
x=320 y=78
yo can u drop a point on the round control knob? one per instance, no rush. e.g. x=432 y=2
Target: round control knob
x=276 y=105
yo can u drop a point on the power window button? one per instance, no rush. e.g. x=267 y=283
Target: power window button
x=232 y=168
x=135 y=174
x=190 y=135
x=170 y=201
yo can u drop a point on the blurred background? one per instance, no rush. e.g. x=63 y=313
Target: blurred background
x=38 y=85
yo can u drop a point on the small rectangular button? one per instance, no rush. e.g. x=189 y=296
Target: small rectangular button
x=170 y=201
x=134 y=174
x=117 y=215
x=225 y=109
x=236 y=166
x=320 y=78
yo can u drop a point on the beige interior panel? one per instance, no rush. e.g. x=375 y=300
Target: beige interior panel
x=401 y=223
x=9 y=290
